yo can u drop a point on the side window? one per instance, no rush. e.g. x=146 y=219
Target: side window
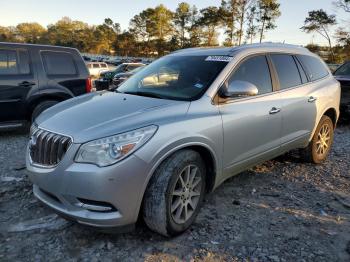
x=301 y=71
x=8 y=62
x=316 y=69
x=103 y=65
x=95 y=65
x=287 y=71
x=256 y=71
x=58 y=63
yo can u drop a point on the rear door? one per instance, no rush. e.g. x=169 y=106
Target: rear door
x=252 y=125
x=16 y=80
x=299 y=99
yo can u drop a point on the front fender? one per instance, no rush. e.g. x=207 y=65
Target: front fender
x=169 y=148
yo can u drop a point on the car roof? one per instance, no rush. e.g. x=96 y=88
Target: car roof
x=230 y=51
x=19 y=45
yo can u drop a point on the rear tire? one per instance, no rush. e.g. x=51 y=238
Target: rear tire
x=175 y=193
x=321 y=143
x=42 y=107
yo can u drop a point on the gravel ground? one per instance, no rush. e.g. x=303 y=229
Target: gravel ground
x=282 y=210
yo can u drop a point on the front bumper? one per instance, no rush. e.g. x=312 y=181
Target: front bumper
x=101 y=197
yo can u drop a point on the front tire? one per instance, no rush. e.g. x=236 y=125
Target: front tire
x=321 y=143
x=175 y=193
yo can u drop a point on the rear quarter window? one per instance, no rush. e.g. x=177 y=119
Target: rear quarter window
x=316 y=69
x=58 y=63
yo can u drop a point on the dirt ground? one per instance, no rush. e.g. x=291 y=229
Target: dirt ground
x=282 y=210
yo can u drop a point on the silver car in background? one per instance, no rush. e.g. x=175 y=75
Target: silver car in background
x=176 y=130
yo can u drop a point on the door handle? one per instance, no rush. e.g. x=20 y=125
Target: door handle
x=26 y=84
x=312 y=99
x=274 y=110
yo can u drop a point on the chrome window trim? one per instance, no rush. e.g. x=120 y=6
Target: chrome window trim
x=233 y=100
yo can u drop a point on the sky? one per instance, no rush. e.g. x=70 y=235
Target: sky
x=94 y=12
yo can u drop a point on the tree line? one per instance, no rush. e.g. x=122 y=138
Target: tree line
x=159 y=30
x=320 y=22
x=156 y=31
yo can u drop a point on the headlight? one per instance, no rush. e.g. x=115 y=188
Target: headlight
x=110 y=150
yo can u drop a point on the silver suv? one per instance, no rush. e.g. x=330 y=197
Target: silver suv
x=176 y=130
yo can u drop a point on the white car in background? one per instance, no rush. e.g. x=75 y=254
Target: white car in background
x=96 y=68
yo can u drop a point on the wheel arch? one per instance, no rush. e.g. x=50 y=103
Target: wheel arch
x=45 y=97
x=209 y=161
x=332 y=114
x=205 y=152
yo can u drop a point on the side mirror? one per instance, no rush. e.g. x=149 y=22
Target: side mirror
x=239 y=88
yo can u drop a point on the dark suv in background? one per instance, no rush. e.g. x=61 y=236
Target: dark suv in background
x=36 y=77
x=342 y=74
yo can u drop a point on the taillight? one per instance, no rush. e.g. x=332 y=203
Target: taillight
x=88 y=85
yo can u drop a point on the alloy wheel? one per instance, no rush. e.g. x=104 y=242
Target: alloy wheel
x=323 y=139
x=186 y=194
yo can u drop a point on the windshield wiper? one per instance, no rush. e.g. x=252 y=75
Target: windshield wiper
x=147 y=94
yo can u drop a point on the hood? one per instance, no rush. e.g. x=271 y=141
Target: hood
x=103 y=114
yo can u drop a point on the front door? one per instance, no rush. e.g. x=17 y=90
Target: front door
x=16 y=80
x=252 y=125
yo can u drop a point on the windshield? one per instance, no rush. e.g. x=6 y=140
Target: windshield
x=343 y=70
x=175 y=77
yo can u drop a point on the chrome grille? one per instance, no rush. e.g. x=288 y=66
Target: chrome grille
x=47 y=148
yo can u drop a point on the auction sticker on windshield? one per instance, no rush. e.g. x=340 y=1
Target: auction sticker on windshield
x=219 y=58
